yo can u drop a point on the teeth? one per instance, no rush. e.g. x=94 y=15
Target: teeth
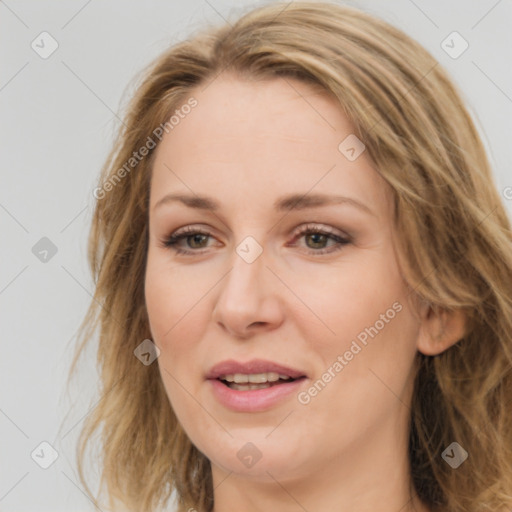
x=260 y=378
x=254 y=378
x=242 y=387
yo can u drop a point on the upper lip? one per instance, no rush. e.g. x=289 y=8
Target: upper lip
x=230 y=367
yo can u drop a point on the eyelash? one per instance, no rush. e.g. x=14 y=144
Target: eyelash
x=172 y=240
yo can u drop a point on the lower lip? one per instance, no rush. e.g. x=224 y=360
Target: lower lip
x=254 y=400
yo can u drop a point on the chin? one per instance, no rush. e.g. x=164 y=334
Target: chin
x=259 y=459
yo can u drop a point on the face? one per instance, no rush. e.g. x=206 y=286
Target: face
x=264 y=286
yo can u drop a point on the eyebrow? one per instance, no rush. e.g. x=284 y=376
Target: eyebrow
x=286 y=203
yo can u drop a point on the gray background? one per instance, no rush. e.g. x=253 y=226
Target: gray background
x=57 y=120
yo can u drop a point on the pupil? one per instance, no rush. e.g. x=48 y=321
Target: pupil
x=194 y=237
x=317 y=235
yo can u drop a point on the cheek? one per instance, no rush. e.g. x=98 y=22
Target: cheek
x=169 y=302
x=176 y=306
x=371 y=383
x=375 y=332
x=366 y=290
x=166 y=293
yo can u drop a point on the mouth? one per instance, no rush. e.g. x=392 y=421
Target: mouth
x=255 y=386
x=248 y=382
x=256 y=371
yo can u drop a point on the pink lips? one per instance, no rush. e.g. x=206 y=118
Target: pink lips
x=254 y=400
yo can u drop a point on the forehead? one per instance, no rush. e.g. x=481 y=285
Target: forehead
x=263 y=109
x=260 y=139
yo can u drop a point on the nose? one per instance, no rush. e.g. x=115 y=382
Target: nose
x=248 y=300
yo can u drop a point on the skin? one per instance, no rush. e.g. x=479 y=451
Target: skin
x=247 y=144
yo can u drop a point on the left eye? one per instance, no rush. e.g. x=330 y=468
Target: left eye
x=317 y=236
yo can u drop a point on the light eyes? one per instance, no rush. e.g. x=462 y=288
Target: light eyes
x=195 y=238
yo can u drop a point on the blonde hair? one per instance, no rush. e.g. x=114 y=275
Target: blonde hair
x=454 y=250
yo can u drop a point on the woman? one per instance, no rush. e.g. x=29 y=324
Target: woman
x=305 y=279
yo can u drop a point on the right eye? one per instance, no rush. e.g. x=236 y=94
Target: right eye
x=186 y=233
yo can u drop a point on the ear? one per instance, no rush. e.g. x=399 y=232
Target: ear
x=439 y=329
